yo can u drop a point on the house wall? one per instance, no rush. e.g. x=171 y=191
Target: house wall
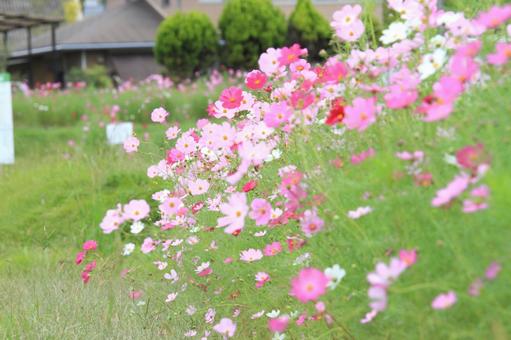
x=213 y=8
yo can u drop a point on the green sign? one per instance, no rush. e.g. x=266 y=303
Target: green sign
x=5 y=77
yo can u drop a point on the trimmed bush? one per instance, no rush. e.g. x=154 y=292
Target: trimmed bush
x=308 y=28
x=96 y=76
x=248 y=28
x=186 y=44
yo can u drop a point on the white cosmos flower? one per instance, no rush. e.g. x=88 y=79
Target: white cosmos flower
x=432 y=62
x=137 y=227
x=335 y=275
x=128 y=249
x=273 y=314
x=397 y=31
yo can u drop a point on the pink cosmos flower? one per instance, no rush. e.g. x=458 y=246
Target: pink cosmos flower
x=279 y=113
x=231 y=97
x=359 y=158
x=225 y=327
x=90 y=266
x=251 y=255
x=112 y=220
x=289 y=55
x=186 y=144
x=444 y=301
x=346 y=16
x=493 y=271
x=309 y=285
x=454 y=189
x=261 y=211
x=361 y=114
x=159 y=115
x=131 y=144
x=409 y=257
x=171 y=206
x=85 y=277
x=235 y=211
x=249 y=186
x=204 y=269
x=261 y=278
x=135 y=294
x=494 y=17
x=475 y=287
x=278 y=324
x=471 y=156
x=352 y=32
x=148 y=246
x=80 y=257
x=198 y=187
x=478 y=200
x=272 y=249
x=172 y=132
x=311 y=223
x=269 y=62
x=90 y=245
x=255 y=80
x=136 y=210
x=359 y=212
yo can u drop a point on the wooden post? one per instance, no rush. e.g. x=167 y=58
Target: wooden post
x=29 y=47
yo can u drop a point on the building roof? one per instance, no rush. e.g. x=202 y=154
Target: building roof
x=131 y=25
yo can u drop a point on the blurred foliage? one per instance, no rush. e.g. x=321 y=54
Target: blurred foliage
x=95 y=76
x=309 y=28
x=248 y=28
x=72 y=10
x=186 y=43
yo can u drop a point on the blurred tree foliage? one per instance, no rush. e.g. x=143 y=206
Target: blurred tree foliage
x=309 y=28
x=95 y=76
x=72 y=10
x=186 y=44
x=248 y=28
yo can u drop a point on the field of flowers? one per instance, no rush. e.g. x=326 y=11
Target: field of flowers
x=365 y=197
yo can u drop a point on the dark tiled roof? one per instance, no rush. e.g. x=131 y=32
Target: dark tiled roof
x=47 y=8
x=130 y=25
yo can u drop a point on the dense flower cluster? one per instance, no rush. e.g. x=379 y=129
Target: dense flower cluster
x=215 y=167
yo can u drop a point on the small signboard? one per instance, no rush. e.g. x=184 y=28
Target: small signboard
x=6 y=125
x=117 y=133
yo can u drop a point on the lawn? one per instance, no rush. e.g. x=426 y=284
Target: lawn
x=57 y=194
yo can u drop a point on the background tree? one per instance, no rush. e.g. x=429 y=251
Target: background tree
x=248 y=28
x=308 y=28
x=186 y=43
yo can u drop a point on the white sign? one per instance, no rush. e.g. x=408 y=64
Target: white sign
x=117 y=133
x=6 y=125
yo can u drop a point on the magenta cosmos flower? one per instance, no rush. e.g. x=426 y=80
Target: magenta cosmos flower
x=231 y=97
x=256 y=80
x=235 y=211
x=309 y=285
x=90 y=245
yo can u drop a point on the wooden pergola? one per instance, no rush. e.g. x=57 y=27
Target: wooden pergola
x=15 y=21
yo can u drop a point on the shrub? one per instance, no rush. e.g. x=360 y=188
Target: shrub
x=308 y=28
x=248 y=28
x=95 y=76
x=186 y=43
